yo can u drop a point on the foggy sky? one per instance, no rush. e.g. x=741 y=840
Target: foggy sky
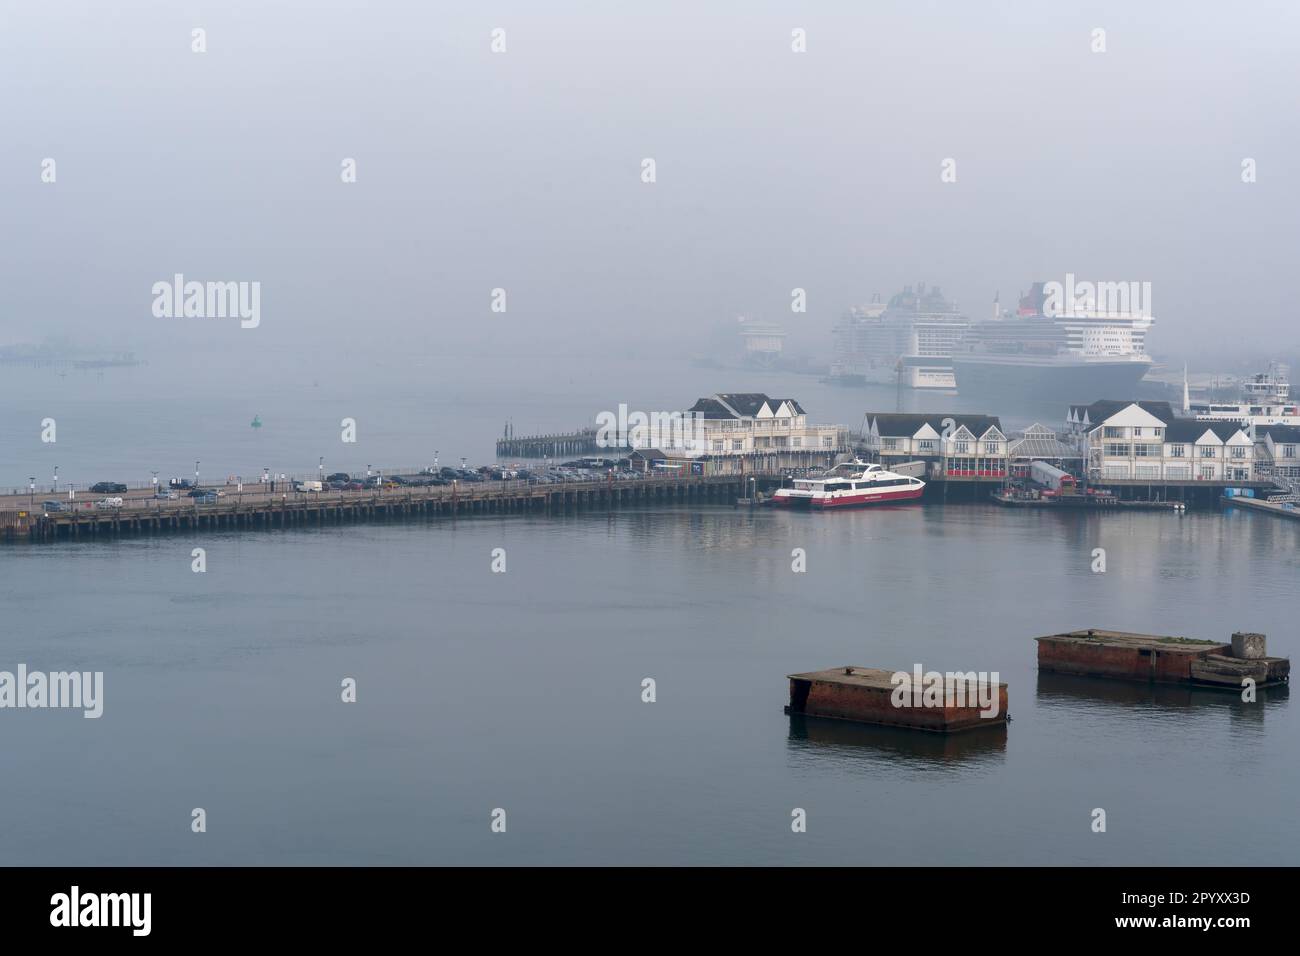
x=522 y=170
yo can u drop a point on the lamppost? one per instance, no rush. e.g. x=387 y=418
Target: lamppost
x=56 y=479
x=321 y=471
x=196 y=473
x=435 y=459
x=155 y=484
x=31 y=489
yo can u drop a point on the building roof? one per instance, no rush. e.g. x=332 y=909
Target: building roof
x=899 y=424
x=1039 y=441
x=1190 y=429
x=1099 y=411
x=741 y=405
x=1280 y=433
x=711 y=408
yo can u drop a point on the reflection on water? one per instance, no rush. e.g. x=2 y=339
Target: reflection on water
x=1187 y=701
x=843 y=740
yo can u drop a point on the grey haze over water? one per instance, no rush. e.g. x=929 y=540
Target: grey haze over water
x=521 y=170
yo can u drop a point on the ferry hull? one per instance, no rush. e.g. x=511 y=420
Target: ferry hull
x=805 y=503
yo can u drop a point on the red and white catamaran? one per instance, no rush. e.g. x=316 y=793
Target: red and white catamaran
x=849 y=484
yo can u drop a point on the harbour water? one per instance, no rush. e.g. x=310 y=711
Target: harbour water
x=523 y=690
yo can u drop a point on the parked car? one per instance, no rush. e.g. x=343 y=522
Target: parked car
x=354 y=486
x=165 y=495
x=107 y=488
x=308 y=486
x=339 y=476
x=108 y=503
x=54 y=505
x=200 y=492
x=180 y=484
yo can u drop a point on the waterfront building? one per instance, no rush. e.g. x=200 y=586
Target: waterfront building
x=952 y=445
x=1040 y=443
x=1137 y=440
x=1277 y=451
x=748 y=423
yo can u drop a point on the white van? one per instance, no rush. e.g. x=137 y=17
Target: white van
x=308 y=486
x=108 y=503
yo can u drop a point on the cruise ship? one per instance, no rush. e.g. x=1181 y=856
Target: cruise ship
x=1265 y=400
x=763 y=343
x=1077 y=357
x=910 y=340
x=848 y=485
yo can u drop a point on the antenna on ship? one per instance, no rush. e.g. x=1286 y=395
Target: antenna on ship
x=996 y=295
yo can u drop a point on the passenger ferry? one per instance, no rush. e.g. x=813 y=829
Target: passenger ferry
x=847 y=485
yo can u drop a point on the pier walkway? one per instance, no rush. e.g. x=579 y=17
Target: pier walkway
x=258 y=508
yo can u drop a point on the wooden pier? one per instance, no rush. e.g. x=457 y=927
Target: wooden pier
x=254 y=510
x=562 y=445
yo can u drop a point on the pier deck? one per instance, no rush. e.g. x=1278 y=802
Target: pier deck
x=142 y=513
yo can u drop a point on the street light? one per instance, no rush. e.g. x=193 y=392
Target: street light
x=196 y=473
x=31 y=488
x=321 y=468
x=56 y=479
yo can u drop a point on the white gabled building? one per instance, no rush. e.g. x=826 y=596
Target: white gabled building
x=750 y=423
x=1277 y=450
x=974 y=446
x=1146 y=440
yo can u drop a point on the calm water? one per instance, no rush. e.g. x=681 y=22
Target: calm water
x=522 y=691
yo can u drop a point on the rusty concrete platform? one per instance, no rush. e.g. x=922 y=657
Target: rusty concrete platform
x=1125 y=655
x=867 y=695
